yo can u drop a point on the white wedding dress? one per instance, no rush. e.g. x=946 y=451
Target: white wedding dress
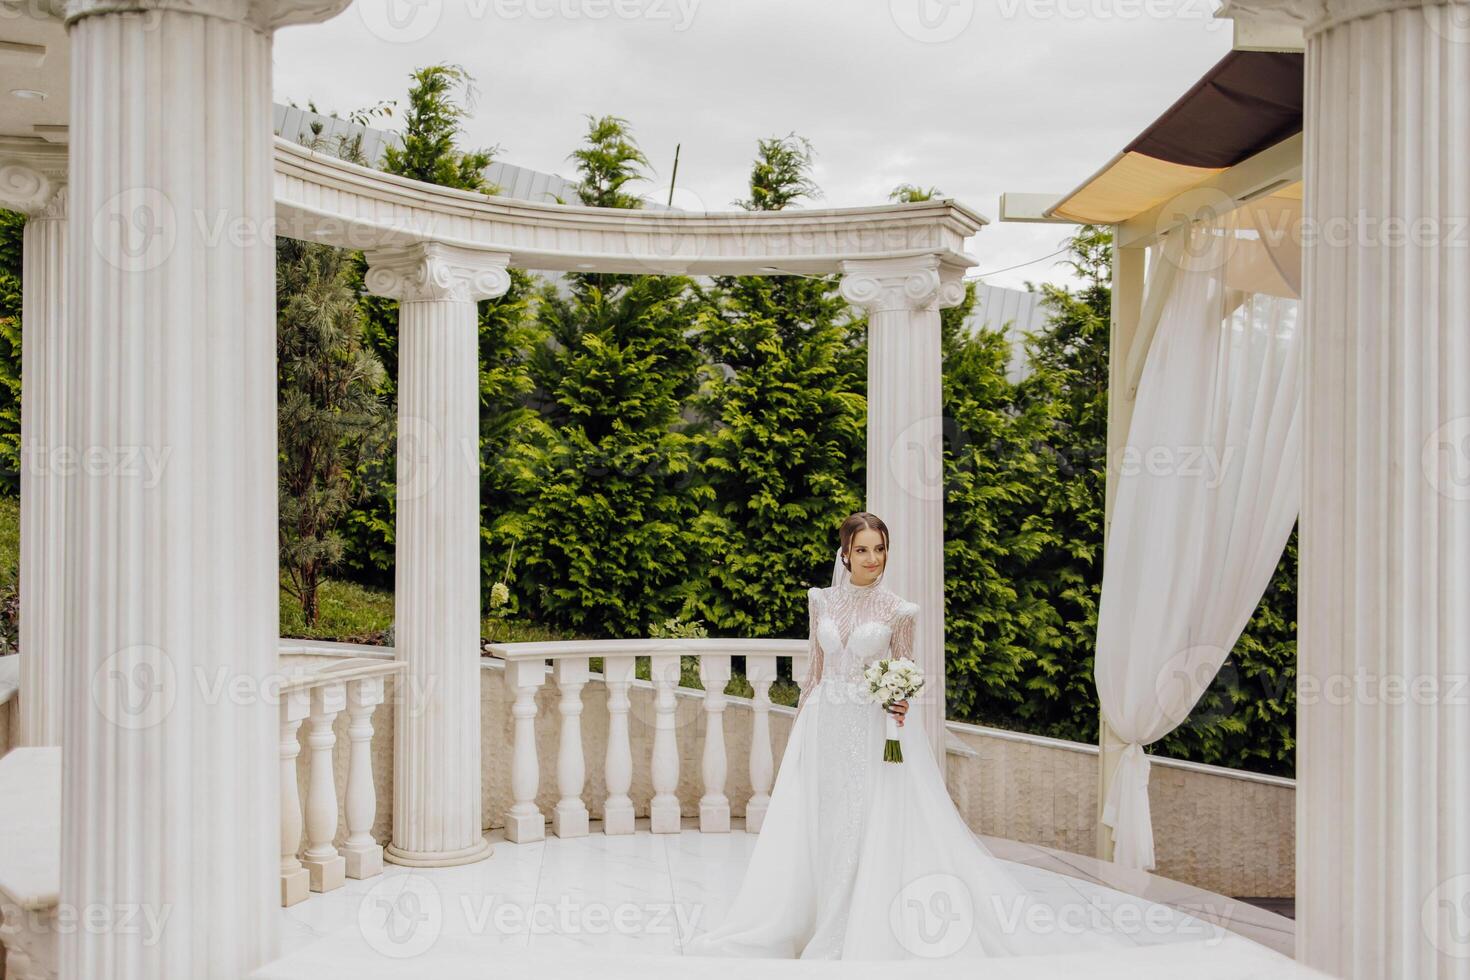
x=860 y=858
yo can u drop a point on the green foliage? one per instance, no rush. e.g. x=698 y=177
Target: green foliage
x=912 y=193
x=999 y=614
x=331 y=418
x=432 y=126
x=781 y=174
x=784 y=451
x=608 y=160
x=608 y=497
x=12 y=227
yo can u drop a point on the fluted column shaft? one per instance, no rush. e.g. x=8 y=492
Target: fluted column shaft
x=1383 y=790
x=437 y=818
x=902 y=298
x=170 y=734
x=33 y=185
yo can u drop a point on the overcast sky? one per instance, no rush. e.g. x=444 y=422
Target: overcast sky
x=973 y=96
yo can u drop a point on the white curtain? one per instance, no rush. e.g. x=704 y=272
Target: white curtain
x=1209 y=487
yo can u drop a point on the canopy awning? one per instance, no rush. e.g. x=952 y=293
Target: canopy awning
x=1249 y=101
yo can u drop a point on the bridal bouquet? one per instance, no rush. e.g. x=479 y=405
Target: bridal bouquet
x=891 y=681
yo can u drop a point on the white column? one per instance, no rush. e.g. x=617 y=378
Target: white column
x=436 y=747
x=170 y=728
x=902 y=298
x=1383 y=789
x=32 y=181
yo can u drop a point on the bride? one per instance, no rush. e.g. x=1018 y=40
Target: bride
x=860 y=858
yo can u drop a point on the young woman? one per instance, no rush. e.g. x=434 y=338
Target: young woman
x=859 y=858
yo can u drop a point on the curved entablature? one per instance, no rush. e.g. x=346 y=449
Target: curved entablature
x=322 y=198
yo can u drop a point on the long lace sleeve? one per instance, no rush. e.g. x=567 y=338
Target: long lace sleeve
x=814 y=649
x=901 y=643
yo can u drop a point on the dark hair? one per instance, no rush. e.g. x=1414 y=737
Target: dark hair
x=860 y=521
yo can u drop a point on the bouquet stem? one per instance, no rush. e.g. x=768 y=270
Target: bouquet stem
x=892 y=751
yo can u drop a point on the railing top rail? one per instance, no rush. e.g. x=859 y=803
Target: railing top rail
x=694 y=646
x=340 y=672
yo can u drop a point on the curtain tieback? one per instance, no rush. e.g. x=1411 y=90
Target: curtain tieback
x=1126 y=810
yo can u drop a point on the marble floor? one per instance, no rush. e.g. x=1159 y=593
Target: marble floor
x=626 y=905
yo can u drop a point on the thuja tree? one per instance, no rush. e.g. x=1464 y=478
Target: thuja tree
x=998 y=613
x=783 y=455
x=608 y=499
x=1067 y=387
x=331 y=417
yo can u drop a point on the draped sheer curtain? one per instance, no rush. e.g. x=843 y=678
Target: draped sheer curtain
x=1208 y=489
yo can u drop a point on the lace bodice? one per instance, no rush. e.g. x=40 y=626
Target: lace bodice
x=853 y=625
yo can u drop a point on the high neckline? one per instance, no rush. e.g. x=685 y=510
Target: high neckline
x=850 y=585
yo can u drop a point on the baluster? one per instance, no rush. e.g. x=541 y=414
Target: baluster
x=523 y=821
x=363 y=854
x=714 y=805
x=326 y=867
x=664 y=811
x=617 y=812
x=569 y=819
x=295 y=881
x=760 y=670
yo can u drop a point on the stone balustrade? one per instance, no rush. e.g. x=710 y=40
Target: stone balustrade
x=354 y=686
x=527 y=667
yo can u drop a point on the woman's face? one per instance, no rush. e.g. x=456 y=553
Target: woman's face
x=868 y=555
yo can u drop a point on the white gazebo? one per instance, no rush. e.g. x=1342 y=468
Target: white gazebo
x=162 y=714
